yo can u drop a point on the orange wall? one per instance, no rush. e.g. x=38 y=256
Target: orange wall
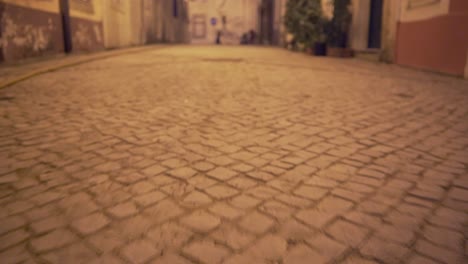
x=439 y=43
x=459 y=6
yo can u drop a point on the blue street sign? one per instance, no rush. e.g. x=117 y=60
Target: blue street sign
x=213 y=21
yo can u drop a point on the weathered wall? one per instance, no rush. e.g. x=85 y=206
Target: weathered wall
x=29 y=29
x=434 y=37
x=86 y=25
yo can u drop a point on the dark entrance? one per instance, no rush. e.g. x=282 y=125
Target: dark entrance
x=375 y=24
x=266 y=21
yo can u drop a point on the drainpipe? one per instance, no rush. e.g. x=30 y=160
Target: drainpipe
x=66 y=28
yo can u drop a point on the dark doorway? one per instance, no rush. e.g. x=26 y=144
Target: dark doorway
x=375 y=24
x=266 y=21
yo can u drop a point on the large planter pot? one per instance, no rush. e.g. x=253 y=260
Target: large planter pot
x=339 y=52
x=320 y=49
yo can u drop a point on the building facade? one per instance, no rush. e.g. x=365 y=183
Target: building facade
x=32 y=28
x=232 y=18
x=433 y=35
x=424 y=34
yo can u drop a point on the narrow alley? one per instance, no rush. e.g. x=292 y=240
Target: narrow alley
x=230 y=154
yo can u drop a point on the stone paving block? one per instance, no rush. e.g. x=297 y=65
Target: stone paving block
x=177 y=189
x=171 y=258
x=222 y=173
x=106 y=240
x=302 y=254
x=224 y=210
x=232 y=237
x=315 y=218
x=384 y=251
x=142 y=187
x=91 y=223
x=18 y=254
x=139 y=251
x=123 y=210
x=293 y=200
x=356 y=259
x=75 y=252
x=327 y=247
x=196 y=199
x=48 y=224
x=312 y=193
x=263 y=192
x=242 y=182
x=149 y=198
x=13 y=238
x=105 y=259
x=153 y=170
x=244 y=201
x=221 y=191
x=183 y=173
x=201 y=182
x=277 y=210
x=201 y=221
x=270 y=248
x=334 y=205
x=11 y=223
x=162 y=211
x=347 y=233
x=169 y=236
x=418 y=259
x=444 y=237
x=55 y=239
x=256 y=223
x=260 y=176
x=206 y=251
x=294 y=231
x=438 y=253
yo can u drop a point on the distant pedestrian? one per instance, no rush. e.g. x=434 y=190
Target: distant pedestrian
x=252 y=37
x=218 y=37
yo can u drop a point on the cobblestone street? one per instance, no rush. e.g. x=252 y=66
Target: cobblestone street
x=199 y=154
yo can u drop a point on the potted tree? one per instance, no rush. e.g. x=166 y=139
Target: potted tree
x=337 y=30
x=303 y=19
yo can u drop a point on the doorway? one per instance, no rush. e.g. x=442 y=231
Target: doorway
x=199 y=26
x=266 y=21
x=375 y=24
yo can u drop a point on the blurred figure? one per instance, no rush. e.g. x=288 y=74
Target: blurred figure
x=252 y=37
x=218 y=37
x=244 y=39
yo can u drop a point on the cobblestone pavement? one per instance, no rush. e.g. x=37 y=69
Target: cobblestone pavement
x=234 y=155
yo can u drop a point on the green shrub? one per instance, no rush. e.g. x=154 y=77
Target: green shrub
x=304 y=20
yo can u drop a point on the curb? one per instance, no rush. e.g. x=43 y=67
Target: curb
x=93 y=57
